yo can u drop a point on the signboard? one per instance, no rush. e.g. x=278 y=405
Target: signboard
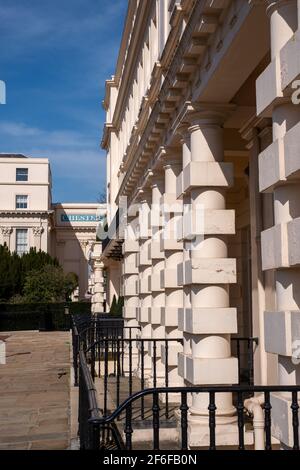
x=80 y=218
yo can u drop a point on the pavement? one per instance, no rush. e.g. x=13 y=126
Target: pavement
x=35 y=391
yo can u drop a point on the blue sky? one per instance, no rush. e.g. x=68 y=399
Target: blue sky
x=55 y=56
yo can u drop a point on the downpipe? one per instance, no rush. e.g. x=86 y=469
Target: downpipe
x=254 y=407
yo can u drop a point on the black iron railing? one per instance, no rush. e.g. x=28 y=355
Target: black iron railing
x=120 y=364
x=91 y=435
x=113 y=357
x=104 y=428
x=87 y=331
x=212 y=414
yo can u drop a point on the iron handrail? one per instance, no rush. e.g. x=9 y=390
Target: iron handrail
x=134 y=340
x=113 y=327
x=98 y=429
x=196 y=389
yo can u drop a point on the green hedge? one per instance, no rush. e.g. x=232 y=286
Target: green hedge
x=49 y=317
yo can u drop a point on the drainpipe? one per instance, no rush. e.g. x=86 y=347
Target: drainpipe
x=254 y=407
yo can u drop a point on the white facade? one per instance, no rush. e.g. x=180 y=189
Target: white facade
x=25 y=201
x=200 y=115
x=29 y=219
x=74 y=237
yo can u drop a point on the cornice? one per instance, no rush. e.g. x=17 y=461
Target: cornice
x=174 y=77
x=126 y=69
x=108 y=128
x=168 y=83
x=254 y=122
x=20 y=213
x=25 y=183
x=75 y=228
x=109 y=84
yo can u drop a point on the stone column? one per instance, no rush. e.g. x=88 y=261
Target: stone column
x=6 y=233
x=280 y=249
x=208 y=272
x=130 y=274
x=83 y=275
x=157 y=257
x=37 y=233
x=144 y=267
x=173 y=249
x=91 y=287
x=185 y=197
x=98 y=279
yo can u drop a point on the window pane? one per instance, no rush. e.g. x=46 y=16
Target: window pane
x=21 y=202
x=21 y=241
x=22 y=174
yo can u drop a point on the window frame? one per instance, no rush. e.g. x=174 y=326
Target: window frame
x=16 y=201
x=19 y=177
x=19 y=244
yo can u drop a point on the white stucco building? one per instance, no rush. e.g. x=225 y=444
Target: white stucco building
x=201 y=120
x=28 y=218
x=25 y=202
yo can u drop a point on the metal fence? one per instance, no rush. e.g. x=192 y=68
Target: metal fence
x=114 y=357
x=98 y=432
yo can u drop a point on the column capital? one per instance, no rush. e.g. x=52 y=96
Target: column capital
x=209 y=114
x=183 y=131
x=143 y=195
x=253 y=127
x=171 y=163
x=273 y=5
x=6 y=231
x=37 y=231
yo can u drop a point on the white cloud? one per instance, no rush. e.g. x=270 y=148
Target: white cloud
x=65 y=49
x=78 y=164
x=41 y=137
x=15 y=129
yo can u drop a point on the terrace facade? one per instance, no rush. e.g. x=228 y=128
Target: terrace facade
x=202 y=140
x=29 y=219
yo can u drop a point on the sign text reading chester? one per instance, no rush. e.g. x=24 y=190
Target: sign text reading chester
x=80 y=218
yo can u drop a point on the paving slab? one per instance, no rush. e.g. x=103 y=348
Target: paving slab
x=35 y=391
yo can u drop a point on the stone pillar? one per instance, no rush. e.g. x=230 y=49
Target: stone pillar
x=157 y=257
x=130 y=275
x=185 y=197
x=83 y=275
x=98 y=279
x=37 y=233
x=173 y=249
x=91 y=286
x=6 y=234
x=279 y=244
x=144 y=267
x=207 y=273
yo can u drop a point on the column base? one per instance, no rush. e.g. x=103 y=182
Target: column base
x=227 y=435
